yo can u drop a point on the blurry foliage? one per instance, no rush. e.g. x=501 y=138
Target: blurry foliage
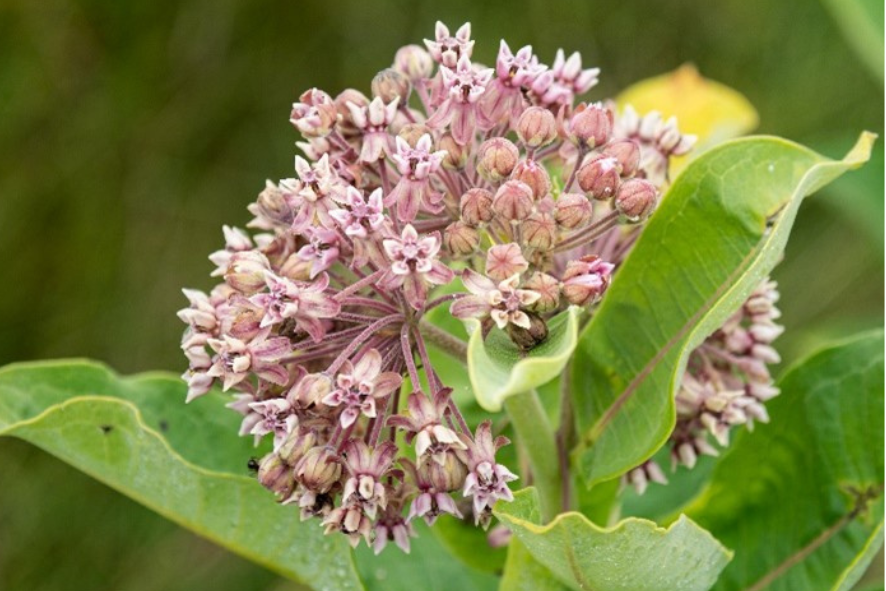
x=131 y=131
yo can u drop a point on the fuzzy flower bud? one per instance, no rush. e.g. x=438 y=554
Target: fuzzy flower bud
x=636 y=199
x=456 y=154
x=496 y=159
x=504 y=261
x=246 y=271
x=592 y=126
x=549 y=289
x=535 y=175
x=599 y=178
x=573 y=210
x=540 y=231
x=585 y=280
x=276 y=476
x=412 y=132
x=476 y=206
x=390 y=84
x=460 y=239
x=627 y=153
x=319 y=470
x=513 y=201
x=414 y=62
x=536 y=127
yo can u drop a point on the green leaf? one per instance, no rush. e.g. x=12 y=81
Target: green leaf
x=783 y=493
x=498 y=369
x=184 y=462
x=524 y=573
x=717 y=234
x=428 y=565
x=635 y=555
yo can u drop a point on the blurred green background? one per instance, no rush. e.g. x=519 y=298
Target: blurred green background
x=131 y=131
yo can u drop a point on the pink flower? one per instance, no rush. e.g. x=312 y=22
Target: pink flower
x=446 y=49
x=236 y=359
x=269 y=416
x=322 y=251
x=373 y=120
x=564 y=81
x=364 y=217
x=424 y=425
x=315 y=114
x=414 y=265
x=487 y=480
x=432 y=500
x=463 y=88
x=503 y=100
x=414 y=191
x=585 y=280
x=366 y=468
x=314 y=194
x=306 y=303
x=358 y=386
x=504 y=303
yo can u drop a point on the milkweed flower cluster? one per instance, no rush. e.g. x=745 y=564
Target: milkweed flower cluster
x=497 y=177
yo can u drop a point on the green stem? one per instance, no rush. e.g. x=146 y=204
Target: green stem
x=538 y=441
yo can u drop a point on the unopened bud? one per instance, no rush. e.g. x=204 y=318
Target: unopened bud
x=585 y=280
x=275 y=475
x=349 y=95
x=246 y=271
x=540 y=231
x=295 y=446
x=573 y=210
x=496 y=159
x=271 y=204
x=412 y=132
x=536 y=127
x=476 y=206
x=627 y=153
x=513 y=201
x=315 y=114
x=390 y=84
x=456 y=154
x=504 y=261
x=592 y=125
x=414 y=62
x=535 y=175
x=460 y=238
x=548 y=287
x=309 y=390
x=319 y=469
x=527 y=338
x=636 y=199
x=598 y=177
x=446 y=476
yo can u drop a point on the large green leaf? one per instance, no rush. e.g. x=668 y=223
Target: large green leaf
x=635 y=555
x=718 y=232
x=783 y=493
x=499 y=369
x=186 y=463
x=524 y=573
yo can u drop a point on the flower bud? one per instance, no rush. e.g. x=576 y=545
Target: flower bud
x=548 y=287
x=309 y=390
x=573 y=210
x=592 y=125
x=496 y=159
x=539 y=231
x=535 y=175
x=446 y=476
x=315 y=114
x=275 y=475
x=585 y=280
x=414 y=62
x=513 y=201
x=527 y=338
x=349 y=95
x=476 y=206
x=536 y=127
x=598 y=177
x=295 y=446
x=390 y=84
x=636 y=199
x=319 y=469
x=246 y=271
x=412 y=132
x=456 y=154
x=627 y=153
x=272 y=205
x=460 y=238
x=504 y=261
